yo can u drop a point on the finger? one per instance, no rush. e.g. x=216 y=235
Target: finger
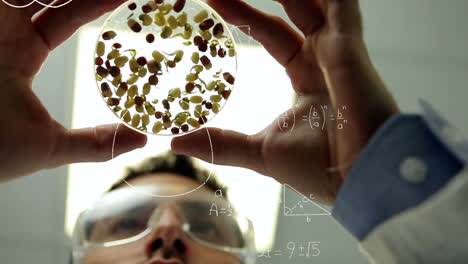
x=37 y=6
x=307 y=15
x=345 y=16
x=278 y=38
x=17 y=4
x=94 y=144
x=57 y=24
x=229 y=148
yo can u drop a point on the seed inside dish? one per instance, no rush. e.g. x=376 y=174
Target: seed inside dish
x=165 y=66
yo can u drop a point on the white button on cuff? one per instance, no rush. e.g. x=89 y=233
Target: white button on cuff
x=413 y=170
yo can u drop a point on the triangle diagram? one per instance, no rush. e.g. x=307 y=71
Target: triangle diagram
x=296 y=204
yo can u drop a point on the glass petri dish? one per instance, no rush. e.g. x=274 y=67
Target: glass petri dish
x=165 y=67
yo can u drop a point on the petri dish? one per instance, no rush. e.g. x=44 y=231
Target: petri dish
x=165 y=67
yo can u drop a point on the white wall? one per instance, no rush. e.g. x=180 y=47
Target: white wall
x=32 y=208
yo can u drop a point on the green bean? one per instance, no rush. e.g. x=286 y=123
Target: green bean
x=182 y=19
x=157 y=127
x=215 y=98
x=193 y=122
x=196 y=99
x=172 y=22
x=100 y=48
x=121 y=61
x=159 y=19
x=195 y=57
x=200 y=16
x=158 y=56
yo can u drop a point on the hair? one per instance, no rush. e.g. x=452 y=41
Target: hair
x=169 y=162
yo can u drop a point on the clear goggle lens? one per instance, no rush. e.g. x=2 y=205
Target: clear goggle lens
x=125 y=215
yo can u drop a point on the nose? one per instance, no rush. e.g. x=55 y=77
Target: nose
x=168 y=234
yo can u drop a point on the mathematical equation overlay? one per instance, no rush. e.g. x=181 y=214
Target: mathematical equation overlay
x=318 y=117
x=292 y=250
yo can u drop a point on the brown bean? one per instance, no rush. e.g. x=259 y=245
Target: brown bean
x=209 y=105
x=109 y=35
x=101 y=71
x=153 y=80
x=142 y=61
x=189 y=87
x=207 y=24
x=202 y=120
x=139 y=100
x=218 y=30
x=105 y=89
x=153 y=66
x=197 y=40
x=158 y=114
x=132 y=6
x=225 y=94
x=206 y=62
x=166 y=104
x=124 y=86
x=113 y=101
x=150 y=38
x=117 y=45
x=114 y=71
x=222 y=53
x=146 y=8
x=184 y=128
x=175 y=130
x=203 y=47
x=166 y=119
x=228 y=77
x=179 y=5
x=134 y=25
x=171 y=64
x=98 y=61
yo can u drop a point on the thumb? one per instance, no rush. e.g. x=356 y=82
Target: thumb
x=94 y=144
x=225 y=147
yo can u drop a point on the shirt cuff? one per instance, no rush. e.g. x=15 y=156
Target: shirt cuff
x=404 y=163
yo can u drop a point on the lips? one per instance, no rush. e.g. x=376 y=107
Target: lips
x=160 y=261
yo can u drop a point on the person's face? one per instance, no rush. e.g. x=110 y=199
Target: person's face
x=167 y=243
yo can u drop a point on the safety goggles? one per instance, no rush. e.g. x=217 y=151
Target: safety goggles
x=127 y=215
